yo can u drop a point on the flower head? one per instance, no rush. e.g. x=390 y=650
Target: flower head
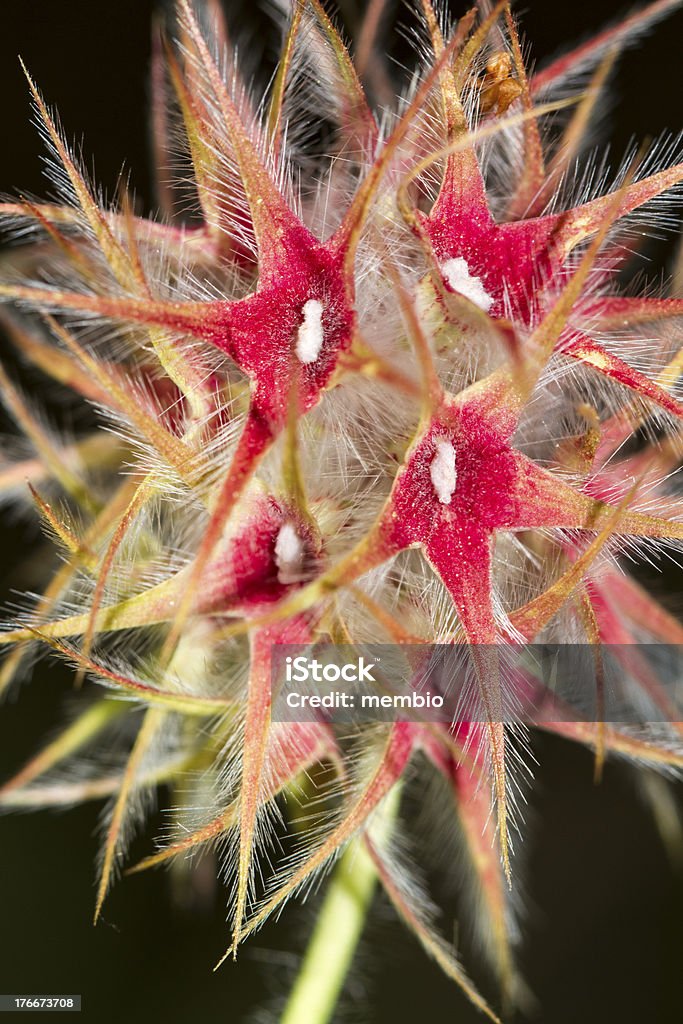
x=389 y=394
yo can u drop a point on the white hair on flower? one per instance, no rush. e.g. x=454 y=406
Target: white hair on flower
x=310 y=336
x=443 y=472
x=457 y=276
x=289 y=553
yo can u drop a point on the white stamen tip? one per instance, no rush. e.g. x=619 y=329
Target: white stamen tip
x=457 y=276
x=442 y=471
x=310 y=338
x=289 y=554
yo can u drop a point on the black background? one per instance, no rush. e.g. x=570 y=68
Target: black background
x=602 y=930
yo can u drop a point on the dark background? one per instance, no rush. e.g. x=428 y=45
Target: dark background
x=602 y=930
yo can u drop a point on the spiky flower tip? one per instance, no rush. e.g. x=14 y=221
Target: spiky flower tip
x=388 y=392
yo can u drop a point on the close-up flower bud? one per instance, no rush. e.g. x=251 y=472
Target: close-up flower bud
x=342 y=512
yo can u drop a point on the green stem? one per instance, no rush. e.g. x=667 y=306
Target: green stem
x=337 y=931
